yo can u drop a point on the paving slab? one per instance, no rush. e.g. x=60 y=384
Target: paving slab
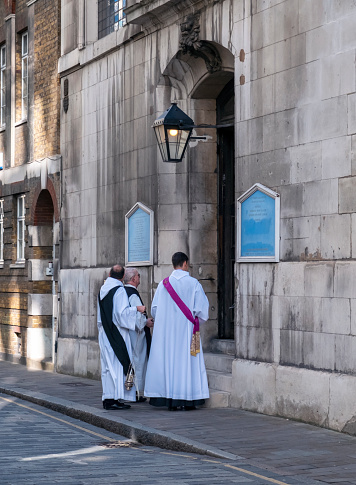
x=287 y=448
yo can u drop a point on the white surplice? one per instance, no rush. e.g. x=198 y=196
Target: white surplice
x=139 y=344
x=173 y=373
x=124 y=317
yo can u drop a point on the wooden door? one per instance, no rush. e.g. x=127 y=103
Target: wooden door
x=226 y=211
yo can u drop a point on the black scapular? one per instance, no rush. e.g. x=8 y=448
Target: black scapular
x=114 y=336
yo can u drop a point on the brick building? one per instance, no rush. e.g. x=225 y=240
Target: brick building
x=29 y=178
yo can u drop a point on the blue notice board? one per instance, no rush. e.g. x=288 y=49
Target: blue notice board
x=139 y=239
x=258 y=226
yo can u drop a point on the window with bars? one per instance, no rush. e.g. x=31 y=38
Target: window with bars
x=1 y=230
x=2 y=85
x=21 y=213
x=111 y=16
x=24 y=74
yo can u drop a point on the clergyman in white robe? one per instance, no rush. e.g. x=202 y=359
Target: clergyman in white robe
x=132 y=280
x=124 y=317
x=139 y=347
x=174 y=377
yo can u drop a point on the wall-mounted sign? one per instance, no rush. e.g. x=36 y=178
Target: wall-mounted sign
x=139 y=236
x=258 y=225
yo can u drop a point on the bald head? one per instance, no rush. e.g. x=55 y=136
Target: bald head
x=117 y=272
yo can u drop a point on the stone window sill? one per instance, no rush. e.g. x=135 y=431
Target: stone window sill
x=18 y=264
x=2 y=129
x=21 y=122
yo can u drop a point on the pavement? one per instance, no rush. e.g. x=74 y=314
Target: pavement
x=286 y=448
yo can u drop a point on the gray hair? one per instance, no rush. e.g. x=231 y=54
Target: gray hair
x=130 y=273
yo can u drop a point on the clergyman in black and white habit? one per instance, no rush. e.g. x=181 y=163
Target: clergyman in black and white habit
x=115 y=319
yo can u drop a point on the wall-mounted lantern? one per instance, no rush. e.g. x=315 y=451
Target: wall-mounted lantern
x=173 y=130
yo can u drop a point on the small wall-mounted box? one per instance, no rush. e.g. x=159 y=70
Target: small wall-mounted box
x=49 y=270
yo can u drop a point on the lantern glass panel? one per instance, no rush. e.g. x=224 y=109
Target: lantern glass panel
x=184 y=135
x=177 y=139
x=161 y=139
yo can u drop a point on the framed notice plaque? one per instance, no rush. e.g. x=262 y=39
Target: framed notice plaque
x=139 y=236
x=258 y=225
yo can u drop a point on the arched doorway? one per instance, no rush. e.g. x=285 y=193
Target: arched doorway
x=220 y=86
x=41 y=298
x=207 y=180
x=44 y=210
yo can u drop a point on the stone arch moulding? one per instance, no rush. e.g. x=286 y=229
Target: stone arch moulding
x=196 y=59
x=187 y=76
x=51 y=190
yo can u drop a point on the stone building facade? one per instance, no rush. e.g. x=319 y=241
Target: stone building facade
x=282 y=72
x=29 y=179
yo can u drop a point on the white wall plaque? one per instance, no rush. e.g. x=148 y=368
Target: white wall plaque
x=258 y=225
x=139 y=236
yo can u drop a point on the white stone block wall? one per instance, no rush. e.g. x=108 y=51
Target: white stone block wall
x=111 y=161
x=298 y=314
x=317 y=397
x=296 y=135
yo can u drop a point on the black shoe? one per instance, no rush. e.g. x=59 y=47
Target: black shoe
x=115 y=405
x=173 y=408
x=189 y=408
x=122 y=405
x=108 y=402
x=141 y=399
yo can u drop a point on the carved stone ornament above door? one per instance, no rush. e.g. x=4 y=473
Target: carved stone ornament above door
x=191 y=44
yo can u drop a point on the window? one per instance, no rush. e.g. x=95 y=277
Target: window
x=2 y=85
x=111 y=16
x=24 y=74
x=2 y=231
x=21 y=212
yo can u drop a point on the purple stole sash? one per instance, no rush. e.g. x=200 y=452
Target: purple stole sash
x=195 y=344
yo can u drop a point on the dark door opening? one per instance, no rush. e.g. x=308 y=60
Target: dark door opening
x=226 y=212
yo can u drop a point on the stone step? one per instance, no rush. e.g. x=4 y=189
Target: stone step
x=218 y=362
x=219 y=380
x=223 y=346
x=218 y=399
